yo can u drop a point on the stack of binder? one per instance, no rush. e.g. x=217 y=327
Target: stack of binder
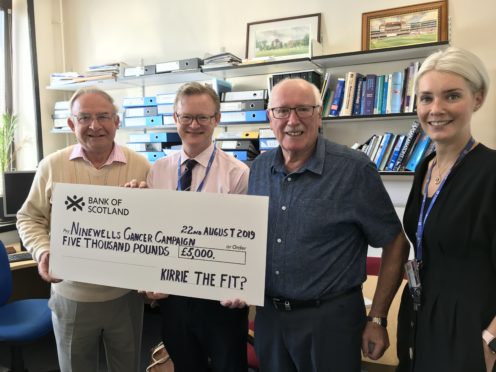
x=267 y=140
x=244 y=107
x=141 y=112
x=221 y=60
x=106 y=70
x=153 y=146
x=241 y=145
x=60 y=114
x=165 y=107
x=181 y=65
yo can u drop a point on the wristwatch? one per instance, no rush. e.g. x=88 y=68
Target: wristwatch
x=490 y=340
x=377 y=320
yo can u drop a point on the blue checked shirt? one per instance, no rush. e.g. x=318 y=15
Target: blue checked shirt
x=321 y=220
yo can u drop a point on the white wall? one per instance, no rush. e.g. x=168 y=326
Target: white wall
x=73 y=34
x=132 y=31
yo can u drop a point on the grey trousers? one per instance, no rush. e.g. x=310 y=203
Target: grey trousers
x=78 y=327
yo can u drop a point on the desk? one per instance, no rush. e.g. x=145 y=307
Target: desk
x=6 y=226
x=26 y=282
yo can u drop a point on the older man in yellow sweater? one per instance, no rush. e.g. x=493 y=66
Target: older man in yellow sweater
x=81 y=312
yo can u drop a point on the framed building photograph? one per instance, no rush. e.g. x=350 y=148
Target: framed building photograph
x=406 y=25
x=283 y=38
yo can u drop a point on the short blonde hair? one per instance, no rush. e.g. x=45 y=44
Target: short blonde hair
x=461 y=62
x=194 y=89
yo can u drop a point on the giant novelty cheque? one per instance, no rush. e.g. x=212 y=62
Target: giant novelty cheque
x=203 y=245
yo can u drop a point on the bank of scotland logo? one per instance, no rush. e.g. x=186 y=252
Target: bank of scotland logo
x=74 y=203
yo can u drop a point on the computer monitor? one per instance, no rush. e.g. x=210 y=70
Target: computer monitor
x=16 y=186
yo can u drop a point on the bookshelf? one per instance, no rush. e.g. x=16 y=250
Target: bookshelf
x=343 y=129
x=349 y=130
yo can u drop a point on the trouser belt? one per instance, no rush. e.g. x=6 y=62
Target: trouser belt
x=284 y=304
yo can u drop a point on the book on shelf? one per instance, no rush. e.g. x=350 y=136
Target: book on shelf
x=375 y=148
x=409 y=151
x=382 y=149
x=363 y=147
x=408 y=141
x=379 y=86
x=389 y=93
x=396 y=152
x=388 y=152
x=327 y=105
x=396 y=91
x=371 y=145
x=325 y=85
x=338 y=98
x=418 y=152
x=311 y=76
x=368 y=104
x=385 y=90
x=411 y=88
x=326 y=93
x=405 y=89
x=360 y=86
x=349 y=91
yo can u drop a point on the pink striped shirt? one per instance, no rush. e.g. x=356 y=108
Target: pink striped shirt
x=227 y=175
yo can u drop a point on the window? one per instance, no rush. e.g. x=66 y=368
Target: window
x=5 y=56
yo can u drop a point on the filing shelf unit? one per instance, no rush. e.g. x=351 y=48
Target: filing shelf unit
x=340 y=129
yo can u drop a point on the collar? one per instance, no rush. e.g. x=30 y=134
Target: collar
x=116 y=155
x=201 y=158
x=314 y=164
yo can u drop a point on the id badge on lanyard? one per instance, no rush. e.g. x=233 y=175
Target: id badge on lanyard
x=413 y=267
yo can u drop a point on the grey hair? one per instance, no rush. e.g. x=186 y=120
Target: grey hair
x=315 y=90
x=92 y=90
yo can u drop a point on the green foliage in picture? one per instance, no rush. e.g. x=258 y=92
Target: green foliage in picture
x=8 y=124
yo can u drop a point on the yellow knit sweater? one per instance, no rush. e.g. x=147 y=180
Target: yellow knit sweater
x=33 y=219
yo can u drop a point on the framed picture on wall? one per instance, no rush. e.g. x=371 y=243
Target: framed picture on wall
x=406 y=25
x=283 y=38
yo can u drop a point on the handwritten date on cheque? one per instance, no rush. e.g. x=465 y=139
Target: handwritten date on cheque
x=228 y=232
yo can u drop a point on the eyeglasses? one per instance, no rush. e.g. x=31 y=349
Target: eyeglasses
x=200 y=119
x=301 y=111
x=86 y=119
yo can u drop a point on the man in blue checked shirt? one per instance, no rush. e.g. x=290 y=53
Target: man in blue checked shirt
x=327 y=205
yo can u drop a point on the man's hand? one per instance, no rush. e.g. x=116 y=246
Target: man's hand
x=375 y=341
x=134 y=184
x=44 y=269
x=233 y=303
x=154 y=295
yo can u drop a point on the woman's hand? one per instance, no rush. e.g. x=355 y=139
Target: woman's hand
x=489 y=357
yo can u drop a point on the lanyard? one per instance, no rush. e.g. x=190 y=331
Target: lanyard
x=421 y=221
x=209 y=165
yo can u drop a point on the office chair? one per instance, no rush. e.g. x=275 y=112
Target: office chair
x=21 y=321
x=252 y=357
x=373 y=265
